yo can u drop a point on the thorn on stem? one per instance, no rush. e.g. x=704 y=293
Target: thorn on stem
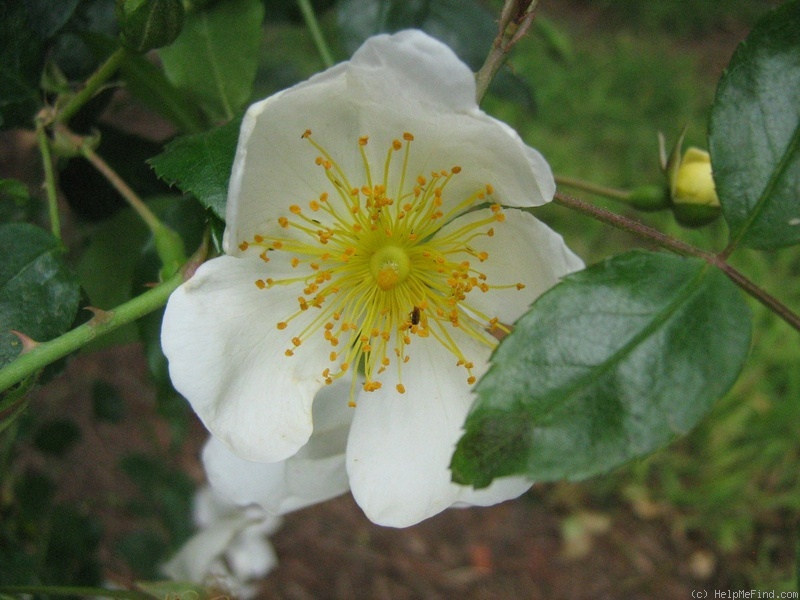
x=28 y=343
x=100 y=316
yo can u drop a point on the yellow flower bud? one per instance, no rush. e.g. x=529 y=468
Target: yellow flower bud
x=692 y=183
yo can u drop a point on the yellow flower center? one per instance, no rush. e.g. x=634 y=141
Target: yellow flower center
x=378 y=271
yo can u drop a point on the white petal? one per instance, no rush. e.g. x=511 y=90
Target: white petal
x=226 y=356
x=316 y=473
x=193 y=561
x=401 y=444
x=404 y=82
x=522 y=250
x=415 y=66
x=250 y=555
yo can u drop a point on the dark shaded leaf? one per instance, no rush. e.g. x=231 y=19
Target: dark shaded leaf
x=38 y=293
x=464 y=25
x=21 y=64
x=47 y=17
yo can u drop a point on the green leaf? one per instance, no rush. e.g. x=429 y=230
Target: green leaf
x=21 y=63
x=201 y=164
x=38 y=293
x=216 y=55
x=611 y=364
x=754 y=135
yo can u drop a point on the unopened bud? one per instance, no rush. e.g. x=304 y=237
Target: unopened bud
x=149 y=24
x=693 y=183
x=694 y=196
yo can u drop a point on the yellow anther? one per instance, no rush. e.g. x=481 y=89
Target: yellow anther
x=397 y=144
x=408 y=137
x=306 y=134
x=289 y=352
x=261 y=284
x=455 y=170
x=244 y=246
x=362 y=141
x=401 y=388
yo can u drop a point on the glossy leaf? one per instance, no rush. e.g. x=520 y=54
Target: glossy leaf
x=611 y=364
x=216 y=55
x=201 y=164
x=754 y=136
x=38 y=293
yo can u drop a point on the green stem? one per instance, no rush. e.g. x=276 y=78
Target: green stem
x=74 y=591
x=680 y=247
x=593 y=188
x=98 y=78
x=49 y=180
x=316 y=33
x=103 y=322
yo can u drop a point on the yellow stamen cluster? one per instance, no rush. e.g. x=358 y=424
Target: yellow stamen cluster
x=376 y=269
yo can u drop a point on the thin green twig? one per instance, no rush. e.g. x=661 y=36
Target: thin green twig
x=316 y=32
x=98 y=78
x=593 y=188
x=49 y=179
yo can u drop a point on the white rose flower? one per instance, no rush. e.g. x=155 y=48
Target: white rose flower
x=367 y=251
x=231 y=550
